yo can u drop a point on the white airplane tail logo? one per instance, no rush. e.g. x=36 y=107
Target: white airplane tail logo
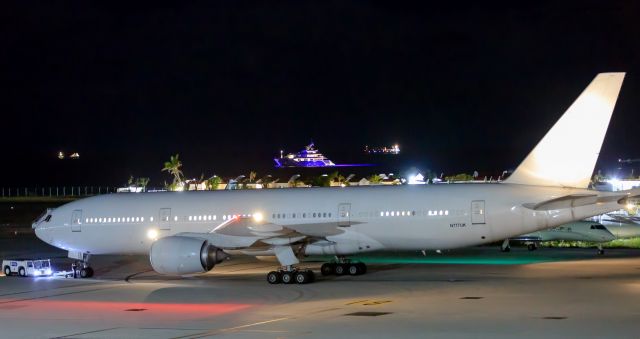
x=567 y=154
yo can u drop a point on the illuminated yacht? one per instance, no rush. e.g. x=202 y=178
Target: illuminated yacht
x=308 y=157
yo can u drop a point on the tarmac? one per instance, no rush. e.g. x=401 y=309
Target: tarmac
x=473 y=293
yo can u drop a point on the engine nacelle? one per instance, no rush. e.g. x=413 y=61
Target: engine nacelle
x=178 y=255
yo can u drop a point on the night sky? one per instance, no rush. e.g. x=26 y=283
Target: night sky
x=228 y=84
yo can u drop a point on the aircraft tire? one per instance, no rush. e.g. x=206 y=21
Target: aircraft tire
x=302 y=277
x=287 y=278
x=328 y=269
x=274 y=277
x=363 y=267
x=340 y=269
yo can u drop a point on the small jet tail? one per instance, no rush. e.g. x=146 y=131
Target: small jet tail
x=567 y=154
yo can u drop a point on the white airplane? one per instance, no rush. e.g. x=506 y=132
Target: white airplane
x=189 y=232
x=620 y=225
x=588 y=231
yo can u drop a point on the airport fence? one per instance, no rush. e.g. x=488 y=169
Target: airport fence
x=56 y=191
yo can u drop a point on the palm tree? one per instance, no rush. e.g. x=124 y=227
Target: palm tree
x=142 y=182
x=173 y=167
x=213 y=182
x=375 y=179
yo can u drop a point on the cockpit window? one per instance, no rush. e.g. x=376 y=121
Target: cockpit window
x=47 y=218
x=598 y=227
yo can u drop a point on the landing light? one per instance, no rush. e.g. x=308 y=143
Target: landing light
x=257 y=217
x=152 y=234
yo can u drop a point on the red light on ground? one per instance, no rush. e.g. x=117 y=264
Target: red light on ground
x=111 y=306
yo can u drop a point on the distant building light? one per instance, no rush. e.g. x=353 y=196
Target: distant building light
x=60 y=155
x=75 y=155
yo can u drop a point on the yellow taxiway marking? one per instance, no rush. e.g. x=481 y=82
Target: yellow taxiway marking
x=368 y=302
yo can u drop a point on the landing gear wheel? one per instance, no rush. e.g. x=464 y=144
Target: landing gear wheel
x=22 y=272
x=363 y=267
x=287 y=277
x=328 y=269
x=506 y=249
x=302 y=277
x=340 y=269
x=274 y=277
x=86 y=272
x=354 y=269
x=7 y=271
x=532 y=247
x=600 y=252
x=312 y=276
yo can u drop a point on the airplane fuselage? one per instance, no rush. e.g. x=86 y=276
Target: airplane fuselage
x=359 y=219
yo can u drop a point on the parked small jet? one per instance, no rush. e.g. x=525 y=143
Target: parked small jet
x=587 y=231
x=620 y=225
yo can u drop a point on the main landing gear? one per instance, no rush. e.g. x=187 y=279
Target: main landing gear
x=600 y=249
x=343 y=266
x=288 y=272
x=291 y=275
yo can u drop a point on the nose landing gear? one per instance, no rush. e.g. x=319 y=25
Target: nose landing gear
x=84 y=271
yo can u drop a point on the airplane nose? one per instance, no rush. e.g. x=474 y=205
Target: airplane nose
x=44 y=235
x=609 y=236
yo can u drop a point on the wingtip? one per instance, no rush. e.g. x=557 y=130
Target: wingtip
x=612 y=74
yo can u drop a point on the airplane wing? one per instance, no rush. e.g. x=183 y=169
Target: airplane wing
x=527 y=237
x=245 y=232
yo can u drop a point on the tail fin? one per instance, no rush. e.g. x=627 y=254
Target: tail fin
x=567 y=155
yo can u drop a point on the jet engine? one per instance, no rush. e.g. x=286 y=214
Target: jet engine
x=176 y=255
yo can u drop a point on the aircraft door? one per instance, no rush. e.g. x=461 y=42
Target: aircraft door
x=76 y=221
x=165 y=219
x=477 y=212
x=344 y=215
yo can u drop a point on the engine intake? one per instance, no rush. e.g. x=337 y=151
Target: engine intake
x=178 y=255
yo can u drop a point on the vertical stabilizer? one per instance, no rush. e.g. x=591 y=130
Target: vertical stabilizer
x=567 y=154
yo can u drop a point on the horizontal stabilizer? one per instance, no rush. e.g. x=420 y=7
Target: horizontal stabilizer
x=568 y=201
